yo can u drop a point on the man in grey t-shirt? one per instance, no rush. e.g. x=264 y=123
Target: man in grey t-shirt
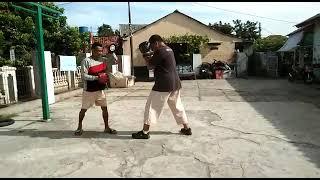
x=93 y=72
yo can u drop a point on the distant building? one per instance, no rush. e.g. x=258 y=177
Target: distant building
x=220 y=47
x=124 y=28
x=304 y=44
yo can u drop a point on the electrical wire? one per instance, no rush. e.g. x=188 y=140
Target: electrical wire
x=237 y=12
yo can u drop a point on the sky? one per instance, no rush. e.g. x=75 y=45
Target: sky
x=277 y=18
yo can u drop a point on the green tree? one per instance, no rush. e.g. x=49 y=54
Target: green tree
x=105 y=30
x=248 y=30
x=270 y=43
x=225 y=28
x=85 y=39
x=2 y=41
x=68 y=42
x=73 y=40
x=117 y=32
x=195 y=42
x=18 y=31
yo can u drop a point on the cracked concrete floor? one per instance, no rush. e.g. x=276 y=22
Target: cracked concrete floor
x=241 y=128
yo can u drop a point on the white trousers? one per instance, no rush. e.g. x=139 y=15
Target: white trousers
x=156 y=102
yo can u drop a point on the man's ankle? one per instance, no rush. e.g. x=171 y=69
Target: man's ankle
x=186 y=126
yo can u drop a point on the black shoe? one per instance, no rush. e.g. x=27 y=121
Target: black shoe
x=140 y=135
x=186 y=131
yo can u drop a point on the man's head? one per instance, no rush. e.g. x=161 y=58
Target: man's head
x=155 y=42
x=97 y=50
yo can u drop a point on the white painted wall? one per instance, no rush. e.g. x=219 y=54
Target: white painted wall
x=196 y=62
x=49 y=76
x=126 y=65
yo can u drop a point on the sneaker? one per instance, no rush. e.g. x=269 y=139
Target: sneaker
x=140 y=135
x=186 y=131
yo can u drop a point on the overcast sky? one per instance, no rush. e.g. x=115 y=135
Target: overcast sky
x=275 y=17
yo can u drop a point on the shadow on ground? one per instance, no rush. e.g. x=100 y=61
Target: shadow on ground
x=305 y=129
x=70 y=134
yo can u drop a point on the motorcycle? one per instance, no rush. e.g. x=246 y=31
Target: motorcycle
x=210 y=71
x=205 y=71
x=221 y=67
x=305 y=74
x=308 y=74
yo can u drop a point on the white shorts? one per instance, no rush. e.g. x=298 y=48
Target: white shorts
x=99 y=98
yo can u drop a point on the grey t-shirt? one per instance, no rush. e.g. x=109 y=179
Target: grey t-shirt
x=165 y=74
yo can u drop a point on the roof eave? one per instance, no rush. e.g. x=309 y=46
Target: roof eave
x=176 y=11
x=308 y=21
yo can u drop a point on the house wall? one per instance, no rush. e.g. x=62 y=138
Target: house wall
x=316 y=49
x=316 y=43
x=178 y=24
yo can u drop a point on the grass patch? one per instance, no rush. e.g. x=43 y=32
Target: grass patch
x=6 y=117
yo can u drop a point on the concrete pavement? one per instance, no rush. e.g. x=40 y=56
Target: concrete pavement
x=241 y=128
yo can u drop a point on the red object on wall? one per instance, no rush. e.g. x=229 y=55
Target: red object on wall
x=106 y=41
x=219 y=74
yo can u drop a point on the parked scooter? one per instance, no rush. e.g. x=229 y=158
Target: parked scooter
x=205 y=71
x=209 y=71
x=308 y=74
x=224 y=68
x=294 y=71
x=305 y=74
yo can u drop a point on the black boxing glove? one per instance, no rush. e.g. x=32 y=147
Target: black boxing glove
x=144 y=47
x=148 y=54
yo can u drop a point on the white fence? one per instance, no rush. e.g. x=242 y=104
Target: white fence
x=63 y=81
x=60 y=80
x=8 y=85
x=77 y=75
x=66 y=80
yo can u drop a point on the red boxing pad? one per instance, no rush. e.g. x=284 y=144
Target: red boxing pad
x=97 y=69
x=103 y=78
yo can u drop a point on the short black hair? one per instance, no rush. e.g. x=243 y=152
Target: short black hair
x=155 y=38
x=96 y=44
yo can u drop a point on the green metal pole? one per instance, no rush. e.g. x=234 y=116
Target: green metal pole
x=44 y=8
x=42 y=66
x=32 y=12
